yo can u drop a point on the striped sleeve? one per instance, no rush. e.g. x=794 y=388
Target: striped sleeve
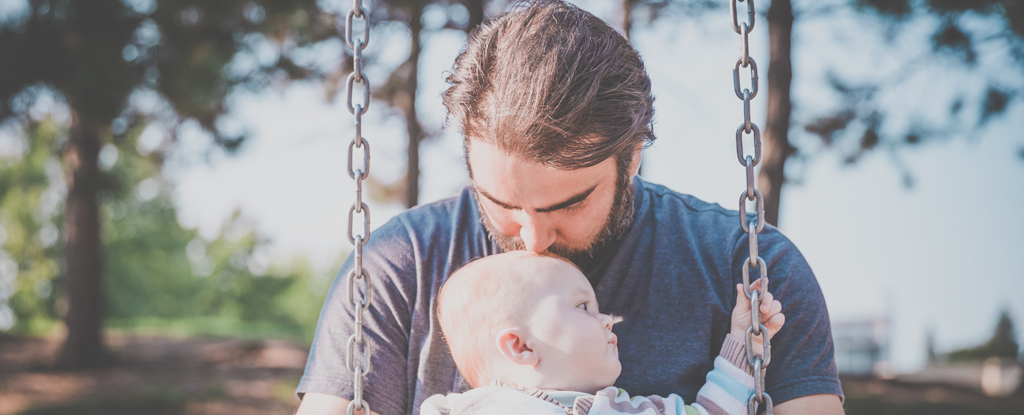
x=730 y=384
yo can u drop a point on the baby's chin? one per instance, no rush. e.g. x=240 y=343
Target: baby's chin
x=611 y=377
x=596 y=382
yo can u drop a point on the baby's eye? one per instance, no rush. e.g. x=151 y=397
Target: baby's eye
x=582 y=305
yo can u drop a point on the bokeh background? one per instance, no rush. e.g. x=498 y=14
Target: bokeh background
x=207 y=143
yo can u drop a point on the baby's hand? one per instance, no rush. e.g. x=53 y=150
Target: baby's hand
x=771 y=315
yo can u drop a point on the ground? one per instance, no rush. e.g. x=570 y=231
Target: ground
x=173 y=376
x=154 y=375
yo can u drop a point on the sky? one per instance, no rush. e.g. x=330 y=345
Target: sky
x=939 y=256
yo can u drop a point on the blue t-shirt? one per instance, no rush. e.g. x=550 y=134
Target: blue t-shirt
x=672 y=277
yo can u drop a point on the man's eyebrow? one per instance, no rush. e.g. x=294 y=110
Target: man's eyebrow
x=496 y=201
x=561 y=205
x=569 y=202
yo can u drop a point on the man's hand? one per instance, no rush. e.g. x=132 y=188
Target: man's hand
x=771 y=315
x=773 y=319
x=823 y=404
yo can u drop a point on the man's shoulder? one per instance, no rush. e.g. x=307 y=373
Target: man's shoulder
x=679 y=212
x=670 y=209
x=435 y=216
x=665 y=200
x=432 y=233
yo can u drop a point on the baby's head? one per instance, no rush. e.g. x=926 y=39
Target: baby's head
x=530 y=320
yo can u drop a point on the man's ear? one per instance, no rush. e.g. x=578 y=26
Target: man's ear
x=513 y=346
x=634 y=163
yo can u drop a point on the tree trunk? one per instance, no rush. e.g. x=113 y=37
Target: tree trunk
x=1020 y=384
x=412 y=122
x=775 y=147
x=476 y=13
x=83 y=346
x=626 y=17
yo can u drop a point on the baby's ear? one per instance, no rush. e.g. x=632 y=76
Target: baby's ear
x=513 y=346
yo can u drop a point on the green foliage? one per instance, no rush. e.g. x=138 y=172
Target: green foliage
x=1003 y=344
x=163 y=401
x=30 y=218
x=91 y=56
x=158 y=274
x=96 y=53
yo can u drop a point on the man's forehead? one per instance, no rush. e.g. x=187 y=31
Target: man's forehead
x=480 y=147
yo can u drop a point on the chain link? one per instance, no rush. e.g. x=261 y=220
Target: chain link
x=758 y=360
x=358 y=44
x=735 y=17
x=357 y=352
x=751 y=191
x=743 y=210
x=365 y=171
x=736 y=77
x=365 y=278
x=739 y=143
x=744 y=45
x=358 y=108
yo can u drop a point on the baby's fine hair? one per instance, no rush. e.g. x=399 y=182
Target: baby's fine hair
x=470 y=313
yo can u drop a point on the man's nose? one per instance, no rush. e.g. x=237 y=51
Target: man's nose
x=535 y=231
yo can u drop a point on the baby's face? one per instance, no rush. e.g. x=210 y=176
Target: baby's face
x=577 y=348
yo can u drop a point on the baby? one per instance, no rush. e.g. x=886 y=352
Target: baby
x=525 y=332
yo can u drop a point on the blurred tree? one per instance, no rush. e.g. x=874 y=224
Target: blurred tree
x=95 y=54
x=965 y=32
x=862 y=117
x=400 y=89
x=158 y=274
x=31 y=192
x=1003 y=344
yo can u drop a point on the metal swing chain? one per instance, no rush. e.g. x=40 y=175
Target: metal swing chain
x=359 y=300
x=758 y=361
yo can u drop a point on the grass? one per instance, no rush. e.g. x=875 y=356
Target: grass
x=166 y=401
x=209 y=327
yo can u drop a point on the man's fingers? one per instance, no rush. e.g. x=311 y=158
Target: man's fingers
x=766 y=303
x=755 y=285
x=741 y=299
x=767 y=311
x=775 y=323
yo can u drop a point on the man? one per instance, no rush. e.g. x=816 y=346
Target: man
x=555 y=107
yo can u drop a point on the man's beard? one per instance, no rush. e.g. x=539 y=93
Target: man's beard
x=619 y=220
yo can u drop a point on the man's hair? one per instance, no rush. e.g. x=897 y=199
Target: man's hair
x=552 y=84
x=470 y=310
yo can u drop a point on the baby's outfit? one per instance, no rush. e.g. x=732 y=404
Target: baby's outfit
x=729 y=386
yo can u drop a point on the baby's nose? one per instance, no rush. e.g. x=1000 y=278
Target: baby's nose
x=608 y=321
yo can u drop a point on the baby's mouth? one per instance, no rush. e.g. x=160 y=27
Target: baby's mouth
x=614 y=340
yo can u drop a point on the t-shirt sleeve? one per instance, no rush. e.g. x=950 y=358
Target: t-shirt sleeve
x=389 y=260
x=802 y=355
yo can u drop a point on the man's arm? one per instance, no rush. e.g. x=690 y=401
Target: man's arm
x=823 y=404
x=388 y=258
x=802 y=363
x=322 y=404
